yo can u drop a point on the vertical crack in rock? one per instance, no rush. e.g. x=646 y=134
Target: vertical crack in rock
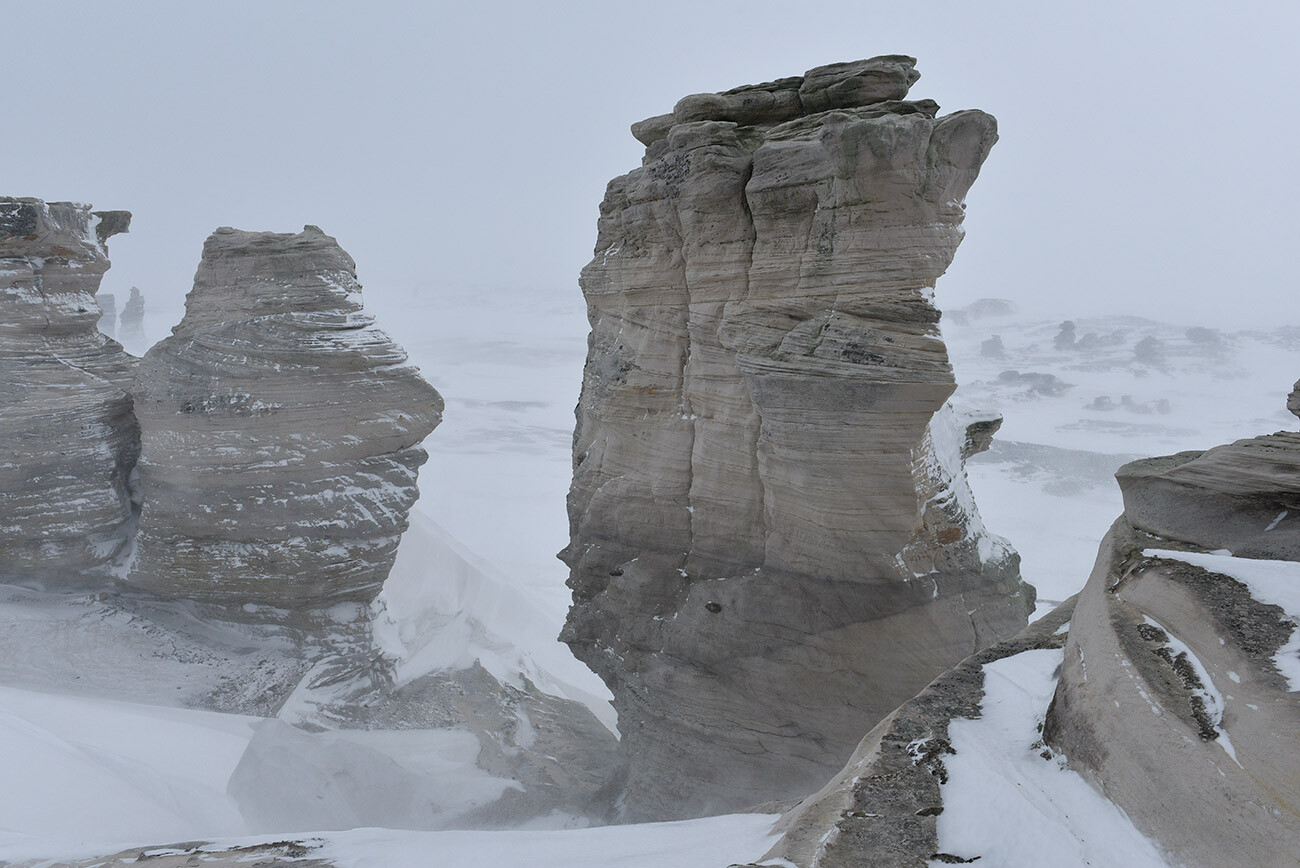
x=70 y=439
x=280 y=432
x=783 y=239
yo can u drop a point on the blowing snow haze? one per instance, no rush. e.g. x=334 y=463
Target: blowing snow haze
x=1145 y=167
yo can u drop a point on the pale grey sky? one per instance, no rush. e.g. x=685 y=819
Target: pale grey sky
x=1147 y=162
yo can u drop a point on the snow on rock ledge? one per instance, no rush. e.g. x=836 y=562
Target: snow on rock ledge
x=280 y=432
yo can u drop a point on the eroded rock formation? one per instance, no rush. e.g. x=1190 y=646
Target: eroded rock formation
x=69 y=438
x=132 y=319
x=280 y=432
x=1176 y=697
x=772 y=540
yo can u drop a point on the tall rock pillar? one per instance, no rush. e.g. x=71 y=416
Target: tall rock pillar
x=280 y=432
x=69 y=439
x=773 y=543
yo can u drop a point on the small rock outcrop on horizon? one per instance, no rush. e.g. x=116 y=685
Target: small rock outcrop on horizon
x=280 y=432
x=1149 y=721
x=131 y=319
x=772 y=539
x=70 y=440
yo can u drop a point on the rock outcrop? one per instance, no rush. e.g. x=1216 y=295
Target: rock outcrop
x=280 y=432
x=69 y=437
x=1178 y=695
x=1176 y=699
x=132 y=319
x=1243 y=497
x=772 y=540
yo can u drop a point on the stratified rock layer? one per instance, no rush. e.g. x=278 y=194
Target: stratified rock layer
x=1172 y=699
x=1244 y=497
x=280 y=432
x=65 y=416
x=773 y=543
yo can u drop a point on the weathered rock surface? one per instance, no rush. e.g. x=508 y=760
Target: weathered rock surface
x=280 y=432
x=1171 y=703
x=772 y=540
x=69 y=437
x=1244 y=497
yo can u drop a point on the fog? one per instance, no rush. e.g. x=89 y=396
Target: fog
x=1146 y=162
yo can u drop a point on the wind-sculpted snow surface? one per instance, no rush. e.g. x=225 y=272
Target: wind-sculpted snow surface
x=772 y=540
x=280 y=432
x=69 y=438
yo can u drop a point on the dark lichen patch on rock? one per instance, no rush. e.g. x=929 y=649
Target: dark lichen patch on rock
x=1258 y=628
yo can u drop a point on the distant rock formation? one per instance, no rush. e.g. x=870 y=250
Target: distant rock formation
x=772 y=540
x=1177 y=697
x=132 y=319
x=1064 y=339
x=280 y=432
x=107 y=313
x=992 y=348
x=69 y=438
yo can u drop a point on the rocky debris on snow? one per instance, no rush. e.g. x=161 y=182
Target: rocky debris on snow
x=772 y=541
x=1293 y=400
x=66 y=492
x=1176 y=701
x=108 y=313
x=280 y=432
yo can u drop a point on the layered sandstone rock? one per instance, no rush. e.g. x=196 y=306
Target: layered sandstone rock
x=772 y=540
x=69 y=437
x=280 y=432
x=1179 y=693
x=132 y=318
x=1176 y=697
